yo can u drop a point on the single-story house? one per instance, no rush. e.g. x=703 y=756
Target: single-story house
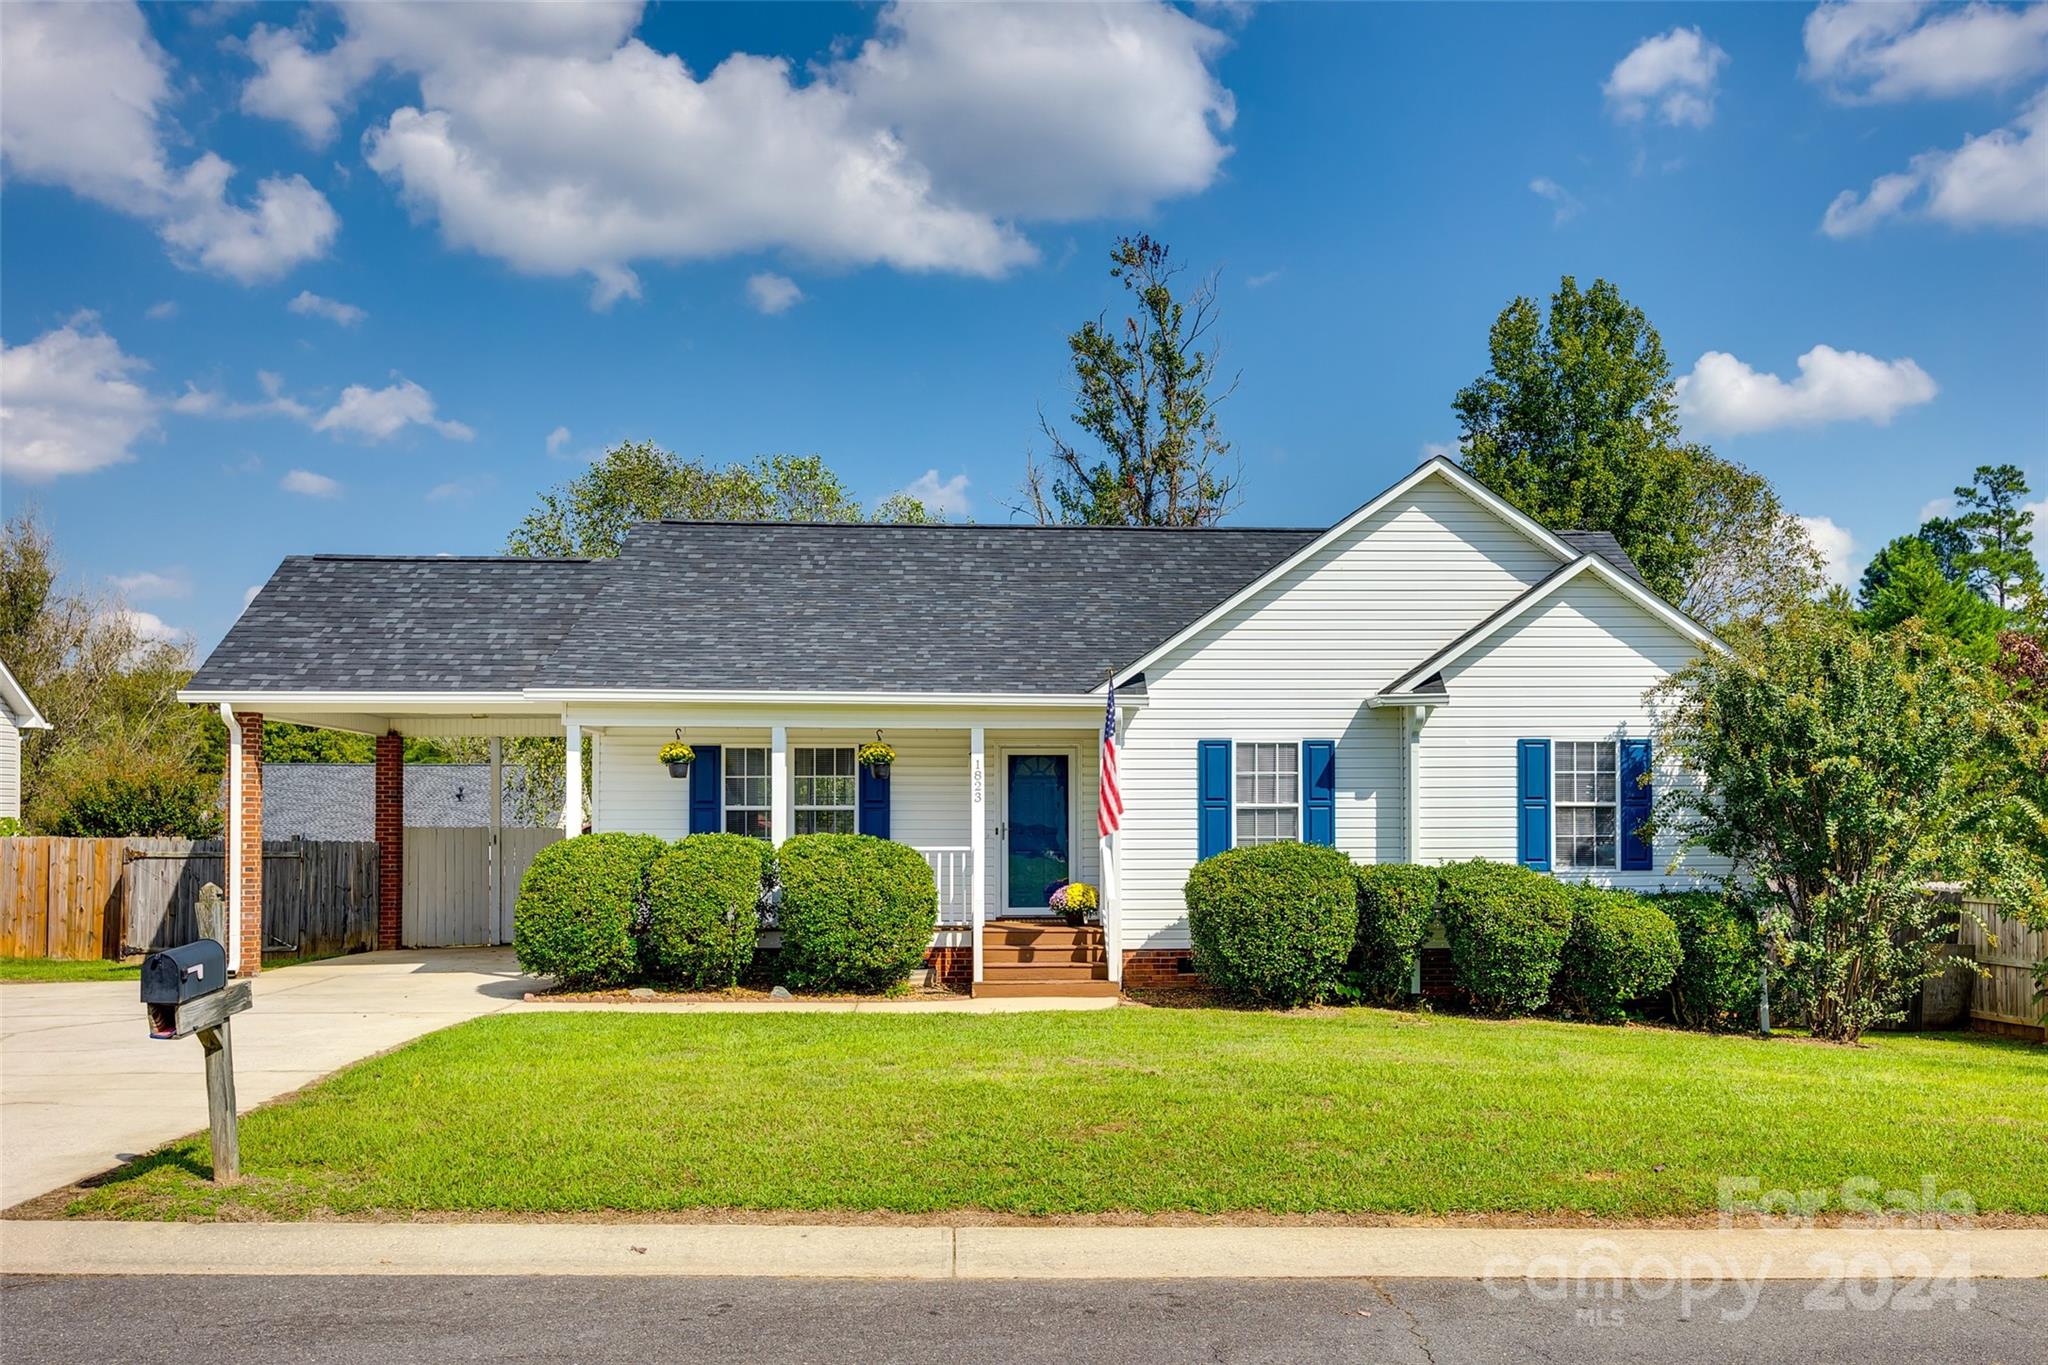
x=17 y=713
x=338 y=800
x=1435 y=677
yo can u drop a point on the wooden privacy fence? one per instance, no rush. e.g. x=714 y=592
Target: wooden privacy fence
x=90 y=898
x=2004 y=997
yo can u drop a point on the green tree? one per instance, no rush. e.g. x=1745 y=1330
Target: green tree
x=1938 y=535
x=1913 y=587
x=1575 y=422
x=1843 y=770
x=2000 y=562
x=1142 y=395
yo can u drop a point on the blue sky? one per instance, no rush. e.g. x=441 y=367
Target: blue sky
x=280 y=280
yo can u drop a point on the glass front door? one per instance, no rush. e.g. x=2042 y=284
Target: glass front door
x=1037 y=843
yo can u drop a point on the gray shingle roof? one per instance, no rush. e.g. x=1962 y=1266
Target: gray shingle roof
x=359 y=623
x=1603 y=544
x=804 y=607
x=338 y=800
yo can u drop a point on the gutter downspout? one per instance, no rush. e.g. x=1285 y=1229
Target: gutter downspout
x=234 y=846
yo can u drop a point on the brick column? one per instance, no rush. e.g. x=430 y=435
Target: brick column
x=390 y=838
x=249 y=912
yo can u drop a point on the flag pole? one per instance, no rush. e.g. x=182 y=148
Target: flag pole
x=1111 y=906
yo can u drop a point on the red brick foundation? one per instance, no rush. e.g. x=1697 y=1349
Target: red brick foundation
x=954 y=966
x=249 y=910
x=390 y=784
x=1438 y=982
x=1159 y=968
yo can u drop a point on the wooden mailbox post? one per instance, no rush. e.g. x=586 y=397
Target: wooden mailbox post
x=185 y=992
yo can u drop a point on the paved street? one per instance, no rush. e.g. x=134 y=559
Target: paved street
x=128 y=1321
x=83 y=1087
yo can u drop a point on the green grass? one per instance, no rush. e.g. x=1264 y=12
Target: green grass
x=1358 y=1111
x=56 y=969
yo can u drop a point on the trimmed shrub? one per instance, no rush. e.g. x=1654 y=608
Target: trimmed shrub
x=579 y=905
x=1273 y=924
x=1621 y=948
x=857 y=912
x=1507 y=927
x=704 y=910
x=1396 y=905
x=1720 y=962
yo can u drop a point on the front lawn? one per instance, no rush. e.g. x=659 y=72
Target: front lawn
x=1214 y=1111
x=57 y=969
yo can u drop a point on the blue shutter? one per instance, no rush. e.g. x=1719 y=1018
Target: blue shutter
x=1636 y=798
x=1319 y=791
x=707 y=804
x=1212 y=786
x=874 y=804
x=1532 y=803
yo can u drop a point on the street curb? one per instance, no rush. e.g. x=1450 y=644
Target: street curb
x=1037 y=1253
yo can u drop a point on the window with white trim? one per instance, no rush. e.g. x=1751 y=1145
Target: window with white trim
x=746 y=792
x=1584 y=802
x=826 y=791
x=1268 y=778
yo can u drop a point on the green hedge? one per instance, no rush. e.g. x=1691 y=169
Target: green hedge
x=1621 y=948
x=857 y=912
x=704 y=910
x=1507 y=927
x=1273 y=924
x=579 y=904
x=1721 y=961
x=1396 y=905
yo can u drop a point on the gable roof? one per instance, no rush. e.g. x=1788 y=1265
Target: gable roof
x=1016 y=609
x=382 y=623
x=1424 y=679
x=338 y=800
x=1603 y=544
x=15 y=698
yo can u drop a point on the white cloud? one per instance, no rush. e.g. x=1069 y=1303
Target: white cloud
x=1835 y=545
x=1936 y=507
x=1261 y=280
x=547 y=138
x=311 y=305
x=249 y=594
x=460 y=490
x=1723 y=394
x=1999 y=179
x=1673 y=74
x=68 y=404
x=557 y=439
x=305 y=481
x=149 y=628
x=84 y=85
x=1874 y=50
x=161 y=312
x=380 y=414
x=1565 y=206
x=198 y=402
x=148 y=584
x=771 y=293
x=941 y=497
x=1439 y=450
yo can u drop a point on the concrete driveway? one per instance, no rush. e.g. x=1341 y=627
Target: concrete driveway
x=83 y=1087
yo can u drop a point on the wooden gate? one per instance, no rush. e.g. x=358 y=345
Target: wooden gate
x=2004 y=999
x=448 y=901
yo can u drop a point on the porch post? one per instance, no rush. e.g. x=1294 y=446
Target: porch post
x=977 y=839
x=389 y=795
x=498 y=926
x=243 y=849
x=572 y=780
x=780 y=814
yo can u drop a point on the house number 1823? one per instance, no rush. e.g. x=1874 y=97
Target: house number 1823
x=977 y=784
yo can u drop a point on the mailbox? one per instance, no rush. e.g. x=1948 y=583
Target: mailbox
x=182 y=989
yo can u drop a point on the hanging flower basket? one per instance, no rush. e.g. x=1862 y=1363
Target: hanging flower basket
x=876 y=757
x=678 y=756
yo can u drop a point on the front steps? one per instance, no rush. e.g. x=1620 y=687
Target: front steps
x=1043 y=957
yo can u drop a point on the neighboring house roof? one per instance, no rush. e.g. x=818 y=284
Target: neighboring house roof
x=338 y=800
x=19 y=708
x=362 y=622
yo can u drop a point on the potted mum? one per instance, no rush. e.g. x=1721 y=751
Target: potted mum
x=876 y=757
x=1074 y=902
x=678 y=756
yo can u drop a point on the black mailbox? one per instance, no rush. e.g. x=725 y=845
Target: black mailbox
x=176 y=975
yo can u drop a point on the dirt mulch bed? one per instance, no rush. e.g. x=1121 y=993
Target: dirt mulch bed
x=738 y=995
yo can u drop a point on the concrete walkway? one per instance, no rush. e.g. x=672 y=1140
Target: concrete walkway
x=1537 y=1256
x=83 y=1087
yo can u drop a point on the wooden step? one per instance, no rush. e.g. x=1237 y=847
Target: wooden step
x=1060 y=955
x=1045 y=971
x=1054 y=989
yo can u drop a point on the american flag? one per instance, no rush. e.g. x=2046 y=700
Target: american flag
x=1109 y=804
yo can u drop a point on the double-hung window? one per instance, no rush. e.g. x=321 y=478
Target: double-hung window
x=746 y=792
x=826 y=791
x=1268 y=793
x=1583 y=794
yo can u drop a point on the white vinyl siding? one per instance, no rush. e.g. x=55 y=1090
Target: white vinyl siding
x=10 y=766
x=1267 y=780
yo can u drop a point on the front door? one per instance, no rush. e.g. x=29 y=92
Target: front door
x=1037 y=840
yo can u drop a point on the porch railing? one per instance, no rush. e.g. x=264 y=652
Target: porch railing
x=954 y=872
